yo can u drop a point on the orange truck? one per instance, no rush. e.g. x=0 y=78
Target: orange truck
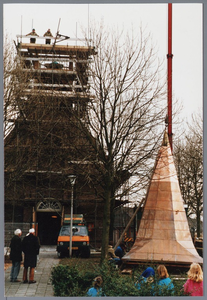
x=80 y=238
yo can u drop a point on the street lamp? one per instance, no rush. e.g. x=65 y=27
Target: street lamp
x=72 y=182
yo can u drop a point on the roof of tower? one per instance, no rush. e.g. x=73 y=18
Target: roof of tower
x=164 y=234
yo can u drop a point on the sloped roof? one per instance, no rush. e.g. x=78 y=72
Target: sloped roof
x=164 y=234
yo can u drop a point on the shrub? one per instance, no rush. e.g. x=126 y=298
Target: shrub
x=69 y=281
x=75 y=280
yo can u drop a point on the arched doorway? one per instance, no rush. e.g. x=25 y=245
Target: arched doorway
x=48 y=217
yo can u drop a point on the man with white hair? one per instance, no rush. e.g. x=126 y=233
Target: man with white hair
x=15 y=255
x=30 y=247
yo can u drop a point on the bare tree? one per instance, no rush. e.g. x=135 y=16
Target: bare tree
x=189 y=162
x=8 y=62
x=15 y=81
x=14 y=84
x=125 y=119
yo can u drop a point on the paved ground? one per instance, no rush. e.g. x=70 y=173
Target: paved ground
x=43 y=287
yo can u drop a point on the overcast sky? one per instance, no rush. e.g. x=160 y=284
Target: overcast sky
x=186 y=42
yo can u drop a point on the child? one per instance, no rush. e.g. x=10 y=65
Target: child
x=96 y=290
x=146 y=280
x=164 y=280
x=146 y=276
x=194 y=284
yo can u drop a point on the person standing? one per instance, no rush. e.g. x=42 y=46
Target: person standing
x=30 y=247
x=194 y=284
x=15 y=255
x=49 y=34
x=32 y=39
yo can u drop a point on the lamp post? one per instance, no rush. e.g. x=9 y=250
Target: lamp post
x=72 y=182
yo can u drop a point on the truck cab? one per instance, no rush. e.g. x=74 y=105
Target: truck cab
x=80 y=237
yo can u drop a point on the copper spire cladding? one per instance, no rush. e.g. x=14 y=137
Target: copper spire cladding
x=164 y=234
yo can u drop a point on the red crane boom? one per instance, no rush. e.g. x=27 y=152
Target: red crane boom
x=169 y=73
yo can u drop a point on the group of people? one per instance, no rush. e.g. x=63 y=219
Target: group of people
x=116 y=256
x=192 y=287
x=148 y=276
x=30 y=247
x=33 y=33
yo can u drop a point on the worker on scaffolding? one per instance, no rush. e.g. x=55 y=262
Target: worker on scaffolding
x=48 y=33
x=33 y=32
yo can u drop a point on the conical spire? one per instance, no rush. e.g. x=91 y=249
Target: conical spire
x=164 y=234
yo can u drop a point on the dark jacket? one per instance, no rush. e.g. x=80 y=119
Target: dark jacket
x=16 y=249
x=30 y=247
x=119 y=252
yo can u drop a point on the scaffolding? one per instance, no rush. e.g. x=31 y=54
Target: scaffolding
x=45 y=145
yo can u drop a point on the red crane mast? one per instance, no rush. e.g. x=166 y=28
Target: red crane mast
x=169 y=73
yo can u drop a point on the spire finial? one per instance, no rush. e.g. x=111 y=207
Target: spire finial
x=165 y=141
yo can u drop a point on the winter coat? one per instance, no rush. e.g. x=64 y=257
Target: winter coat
x=146 y=282
x=95 y=292
x=16 y=249
x=111 y=253
x=165 y=283
x=119 y=252
x=193 y=287
x=30 y=247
